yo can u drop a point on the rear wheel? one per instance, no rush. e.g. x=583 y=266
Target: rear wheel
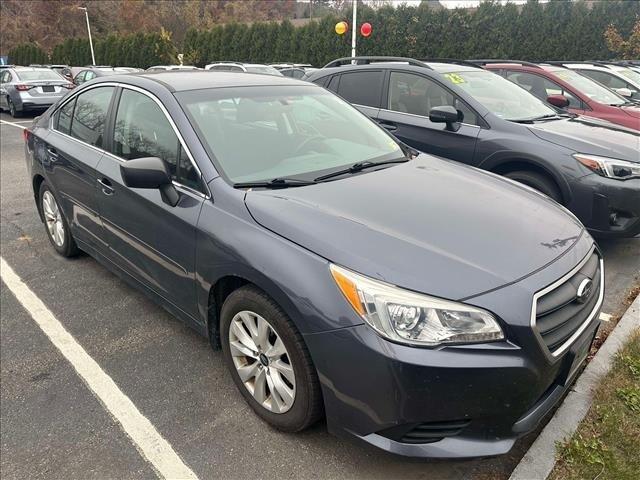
x=268 y=360
x=538 y=181
x=56 y=225
x=12 y=108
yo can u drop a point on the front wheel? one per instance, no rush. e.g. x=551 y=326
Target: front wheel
x=537 y=181
x=268 y=360
x=56 y=225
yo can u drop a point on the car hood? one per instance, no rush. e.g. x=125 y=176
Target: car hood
x=590 y=135
x=428 y=225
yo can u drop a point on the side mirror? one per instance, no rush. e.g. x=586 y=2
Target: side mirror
x=447 y=114
x=625 y=92
x=559 y=101
x=150 y=173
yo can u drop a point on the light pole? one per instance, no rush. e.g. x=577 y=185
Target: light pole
x=353 y=30
x=86 y=14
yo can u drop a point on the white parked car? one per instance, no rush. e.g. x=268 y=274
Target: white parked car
x=243 y=67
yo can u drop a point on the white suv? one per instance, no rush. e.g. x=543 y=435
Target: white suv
x=621 y=79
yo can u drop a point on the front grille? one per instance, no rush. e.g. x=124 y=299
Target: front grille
x=559 y=313
x=433 y=432
x=425 y=432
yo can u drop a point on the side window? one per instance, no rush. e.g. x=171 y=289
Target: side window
x=604 y=78
x=3 y=77
x=233 y=68
x=542 y=87
x=362 y=88
x=90 y=114
x=417 y=95
x=333 y=84
x=62 y=120
x=80 y=77
x=89 y=75
x=142 y=130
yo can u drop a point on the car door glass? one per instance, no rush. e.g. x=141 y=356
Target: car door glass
x=90 y=114
x=62 y=119
x=79 y=78
x=417 y=95
x=89 y=76
x=142 y=130
x=604 y=78
x=361 y=88
x=542 y=87
x=333 y=84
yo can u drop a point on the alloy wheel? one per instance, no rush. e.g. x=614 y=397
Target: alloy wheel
x=12 y=108
x=53 y=218
x=262 y=361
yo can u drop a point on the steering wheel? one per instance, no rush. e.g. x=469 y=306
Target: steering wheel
x=305 y=143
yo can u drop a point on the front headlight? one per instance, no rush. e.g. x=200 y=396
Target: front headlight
x=412 y=318
x=609 y=167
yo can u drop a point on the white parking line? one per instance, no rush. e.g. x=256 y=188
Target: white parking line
x=145 y=437
x=13 y=124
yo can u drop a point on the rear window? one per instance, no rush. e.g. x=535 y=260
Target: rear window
x=28 y=76
x=361 y=88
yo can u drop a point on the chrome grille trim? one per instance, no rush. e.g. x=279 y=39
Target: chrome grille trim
x=553 y=355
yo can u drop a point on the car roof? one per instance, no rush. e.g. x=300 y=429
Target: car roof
x=451 y=67
x=31 y=69
x=180 y=80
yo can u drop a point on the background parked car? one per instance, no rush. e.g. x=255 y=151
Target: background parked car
x=27 y=88
x=163 y=68
x=242 y=67
x=294 y=70
x=563 y=87
x=474 y=116
x=90 y=73
x=621 y=79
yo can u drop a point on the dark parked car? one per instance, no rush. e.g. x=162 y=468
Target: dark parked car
x=568 y=89
x=428 y=308
x=90 y=73
x=474 y=116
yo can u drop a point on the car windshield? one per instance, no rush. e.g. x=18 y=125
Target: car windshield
x=500 y=96
x=29 y=75
x=266 y=70
x=589 y=87
x=260 y=133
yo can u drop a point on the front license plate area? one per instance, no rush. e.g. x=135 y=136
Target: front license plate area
x=578 y=355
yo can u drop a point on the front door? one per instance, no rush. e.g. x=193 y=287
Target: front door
x=148 y=238
x=406 y=115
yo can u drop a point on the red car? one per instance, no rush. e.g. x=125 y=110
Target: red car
x=568 y=89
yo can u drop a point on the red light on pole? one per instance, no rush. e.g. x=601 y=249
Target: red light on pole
x=365 y=29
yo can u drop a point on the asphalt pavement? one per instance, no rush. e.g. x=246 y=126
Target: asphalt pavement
x=52 y=425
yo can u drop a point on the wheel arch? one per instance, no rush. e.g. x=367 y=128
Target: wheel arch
x=512 y=163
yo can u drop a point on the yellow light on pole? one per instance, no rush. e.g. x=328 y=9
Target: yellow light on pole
x=341 y=28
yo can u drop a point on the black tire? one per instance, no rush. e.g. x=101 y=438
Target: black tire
x=307 y=405
x=538 y=181
x=12 y=109
x=68 y=248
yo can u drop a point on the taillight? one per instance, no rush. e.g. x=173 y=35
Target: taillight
x=69 y=86
x=24 y=88
x=25 y=135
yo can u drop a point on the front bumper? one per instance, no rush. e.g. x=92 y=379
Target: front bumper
x=607 y=207
x=457 y=401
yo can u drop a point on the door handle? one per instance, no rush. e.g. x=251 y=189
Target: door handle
x=53 y=154
x=390 y=126
x=107 y=188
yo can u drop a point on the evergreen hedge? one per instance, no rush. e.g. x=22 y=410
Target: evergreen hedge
x=26 y=54
x=558 y=30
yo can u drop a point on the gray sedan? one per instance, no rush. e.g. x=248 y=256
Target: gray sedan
x=28 y=88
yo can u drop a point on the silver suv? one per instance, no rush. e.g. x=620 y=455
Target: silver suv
x=31 y=88
x=243 y=67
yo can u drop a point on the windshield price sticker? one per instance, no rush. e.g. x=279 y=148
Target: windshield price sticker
x=455 y=78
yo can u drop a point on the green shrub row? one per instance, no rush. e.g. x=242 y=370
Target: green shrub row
x=558 y=30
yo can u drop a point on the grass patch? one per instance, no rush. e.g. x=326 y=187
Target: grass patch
x=606 y=445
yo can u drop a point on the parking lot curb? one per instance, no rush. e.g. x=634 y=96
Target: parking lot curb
x=540 y=459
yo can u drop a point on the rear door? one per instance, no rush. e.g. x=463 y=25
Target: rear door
x=5 y=77
x=74 y=149
x=151 y=240
x=361 y=88
x=406 y=115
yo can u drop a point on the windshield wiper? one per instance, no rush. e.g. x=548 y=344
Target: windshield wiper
x=548 y=116
x=358 y=167
x=275 y=183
